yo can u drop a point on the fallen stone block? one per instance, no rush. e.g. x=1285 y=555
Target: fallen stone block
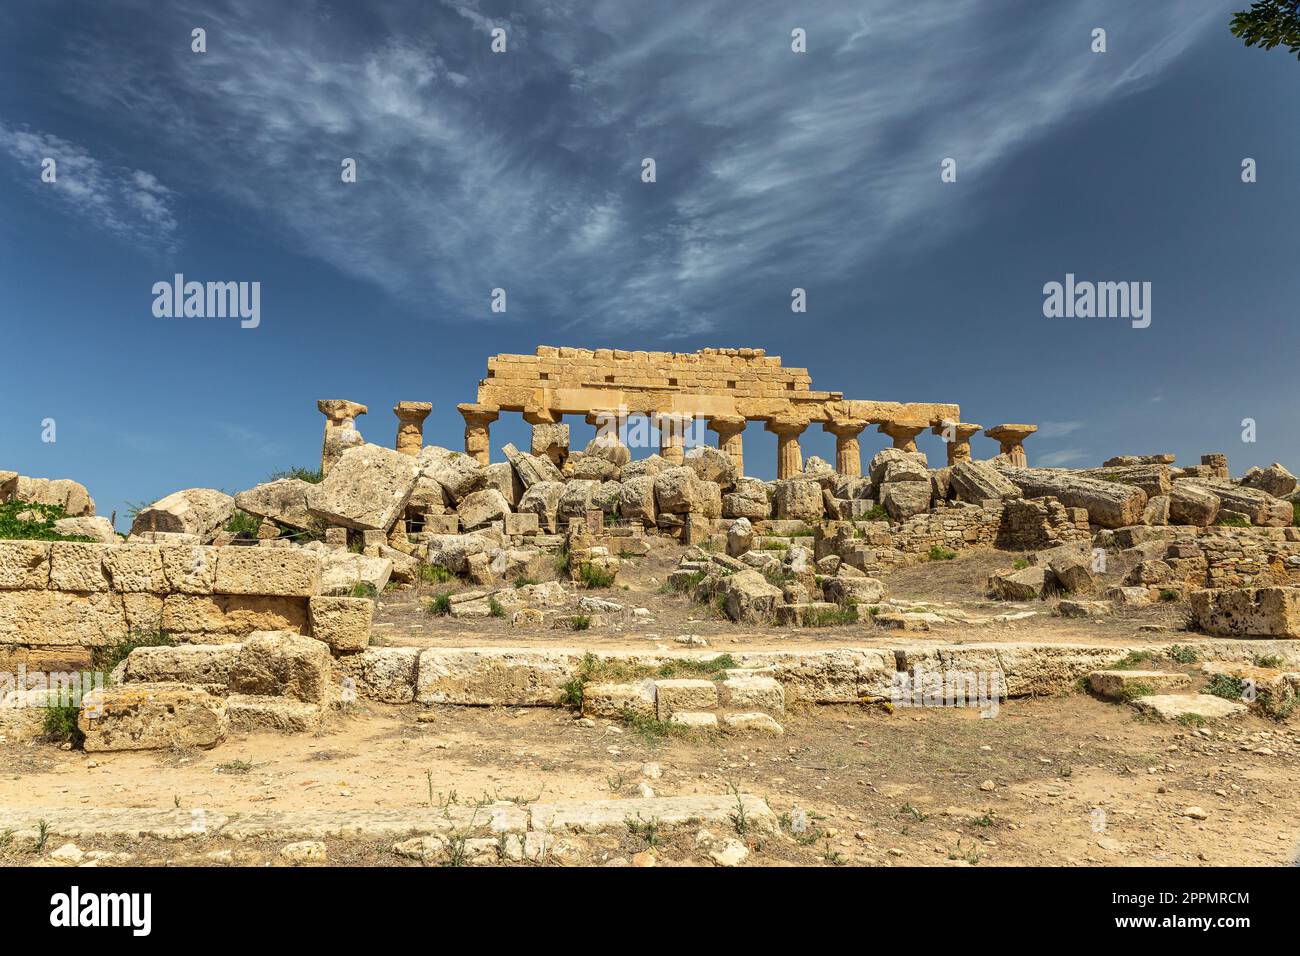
x=283 y=501
x=684 y=694
x=196 y=511
x=1248 y=612
x=342 y=571
x=617 y=700
x=280 y=664
x=98 y=529
x=367 y=488
x=752 y=723
x=252 y=713
x=1183 y=707
x=69 y=495
x=748 y=596
x=1123 y=685
x=1026 y=584
x=976 y=482
x=151 y=717
x=1110 y=504
x=341 y=622
x=1071 y=608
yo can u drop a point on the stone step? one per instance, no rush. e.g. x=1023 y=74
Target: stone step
x=250 y=713
x=1188 y=706
x=1122 y=685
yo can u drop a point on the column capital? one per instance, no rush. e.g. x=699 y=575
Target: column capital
x=845 y=427
x=1010 y=433
x=340 y=409
x=903 y=433
x=478 y=414
x=602 y=418
x=541 y=416
x=790 y=427
x=415 y=412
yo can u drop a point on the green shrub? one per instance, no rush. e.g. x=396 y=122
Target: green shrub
x=1183 y=654
x=243 y=523
x=580 y=622
x=494 y=608
x=940 y=553
x=440 y=605
x=830 y=617
x=363 y=589
x=60 y=724
x=435 y=574
x=1234 y=520
x=595 y=577
x=40 y=528
x=104 y=659
x=1225 y=686
x=312 y=475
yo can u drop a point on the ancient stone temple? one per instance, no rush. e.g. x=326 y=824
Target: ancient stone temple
x=727 y=388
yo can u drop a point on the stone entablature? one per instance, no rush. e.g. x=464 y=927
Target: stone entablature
x=725 y=387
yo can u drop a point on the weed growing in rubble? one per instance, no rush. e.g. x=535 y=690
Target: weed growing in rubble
x=1019 y=564
x=1232 y=520
x=1132 y=660
x=310 y=475
x=1192 y=721
x=830 y=617
x=42 y=836
x=595 y=577
x=524 y=581
x=105 y=659
x=234 y=766
x=363 y=589
x=647 y=830
x=651 y=730
x=60 y=724
x=1225 y=686
x=1295 y=513
x=1267 y=660
x=739 y=816
x=494 y=608
x=1183 y=654
x=1134 y=691
x=36 y=523
x=435 y=574
x=970 y=854
x=243 y=523
x=440 y=605
x=683 y=584
x=939 y=553
x=580 y=622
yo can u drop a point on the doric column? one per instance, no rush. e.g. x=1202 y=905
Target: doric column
x=477 y=440
x=957 y=436
x=789 y=458
x=410 y=426
x=731 y=431
x=672 y=436
x=1011 y=438
x=848 y=457
x=903 y=433
x=340 y=429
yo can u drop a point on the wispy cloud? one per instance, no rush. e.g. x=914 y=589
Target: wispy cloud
x=522 y=170
x=1057 y=429
x=128 y=203
x=1060 y=458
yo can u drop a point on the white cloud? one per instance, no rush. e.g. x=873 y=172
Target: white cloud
x=1061 y=458
x=1057 y=429
x=130 y=204
x=521 y=170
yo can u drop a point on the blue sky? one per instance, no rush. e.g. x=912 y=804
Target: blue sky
x=522 y=170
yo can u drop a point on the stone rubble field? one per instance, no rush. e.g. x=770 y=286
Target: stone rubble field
x=414 y=657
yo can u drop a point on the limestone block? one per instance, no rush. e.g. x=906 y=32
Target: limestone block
x=60 y=618
x=798 y=499
x=543 y=499
x=895 y=464
x=753 y=722
x=252 y=713
x=139 y=569
x=1274 y=480
x=98 y=529
x=976 y=482
x=1024 y=585
x=501 y=476
x=24 y=564
x=904 y=499
x=78 y=567
x=608 y=448
x=532 y=469
x=479 y=508
x=385 y=674
x=285 y=572
x=684 y=694
x=615 y=700
x=495 y=677
x=70 y=495
x=199 y=511
x=636 y=499
x=1179 y=706
x=748 y=596
x=151 y=717
x=1192 y=503
x=231 y=615
x=1073 y=570
x=281 y=664
x=677 y=491
x=860 y=590
x=366 y=489
x=459 y=474
x=695 y=719
x=1120 y=685
x=341 y=622
x=1110 y=504
x=201 y=665
x=283 y=501
x=1248 y=612
x=748 y=693
x=520 y=524
x=711 y=464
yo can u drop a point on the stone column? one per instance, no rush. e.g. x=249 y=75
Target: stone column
x=731 y=431
x=848 y=456
x=410 y=426
x=957 y=436
x=477 y=440
x=903 y=433
x=340 y=429
x=1011 y=438
x=672 y=437
x=607 y=425
x=789 y=458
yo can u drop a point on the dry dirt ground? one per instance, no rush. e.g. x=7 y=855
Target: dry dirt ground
x=1069 y=780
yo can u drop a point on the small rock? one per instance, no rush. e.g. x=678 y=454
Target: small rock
x=732 y=853
x=1196 y=813
x=307 y=851
x=987 y=785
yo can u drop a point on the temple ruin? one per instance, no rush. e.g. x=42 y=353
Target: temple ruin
x=727 y=388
